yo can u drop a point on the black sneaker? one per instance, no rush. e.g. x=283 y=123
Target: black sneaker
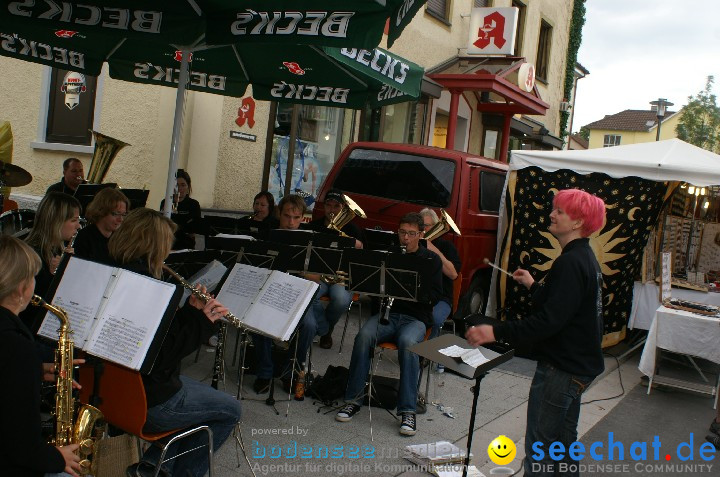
x=714 y=439
x=407 y=426
x=261 y=385
x=347 y=412
x=715 y=427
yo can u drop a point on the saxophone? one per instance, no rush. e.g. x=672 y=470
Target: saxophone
x=82 y=430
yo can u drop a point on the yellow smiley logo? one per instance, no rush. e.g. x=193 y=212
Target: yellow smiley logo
x=502 y=450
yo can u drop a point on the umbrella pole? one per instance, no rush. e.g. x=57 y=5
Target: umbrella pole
x=177 y=130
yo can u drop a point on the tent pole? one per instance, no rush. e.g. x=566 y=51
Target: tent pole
x=177 y=130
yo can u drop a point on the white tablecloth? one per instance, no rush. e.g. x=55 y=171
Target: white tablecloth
x=681 y=332
x=646 y=299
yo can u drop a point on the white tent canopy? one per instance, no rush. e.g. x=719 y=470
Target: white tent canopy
x=669 y=160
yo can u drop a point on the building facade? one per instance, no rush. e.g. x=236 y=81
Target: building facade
x=234 y=147
x=631 y=126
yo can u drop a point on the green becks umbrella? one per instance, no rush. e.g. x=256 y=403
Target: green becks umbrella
x=290 y=50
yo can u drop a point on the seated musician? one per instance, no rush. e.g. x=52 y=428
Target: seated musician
x=450 y=267
x=188 y=213
x=292 y=208
x=105 y=214
x=407 y=326
x=23 y=449
x=263 y=216
x=339 y=296
x=73 y=176
x=56 y=222
x=174 y=401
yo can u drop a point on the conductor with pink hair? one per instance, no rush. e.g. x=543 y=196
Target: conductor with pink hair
x=565 y=327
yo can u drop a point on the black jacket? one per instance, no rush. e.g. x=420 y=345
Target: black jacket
x=451 y=253
x=187 y=218
x=23 y=451
x=189 y=328
x=433 y=285
x=566 y=321
x=60 y=187
x=91 y=244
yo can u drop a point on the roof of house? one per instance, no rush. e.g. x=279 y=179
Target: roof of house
x=629 y=120
x=582 y=142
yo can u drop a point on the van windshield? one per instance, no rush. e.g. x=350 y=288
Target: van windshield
x=398 y=176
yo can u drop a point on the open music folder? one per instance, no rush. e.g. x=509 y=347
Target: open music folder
x=268 y=302
x=114 y=314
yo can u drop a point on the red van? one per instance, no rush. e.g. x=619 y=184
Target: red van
x=389 y=180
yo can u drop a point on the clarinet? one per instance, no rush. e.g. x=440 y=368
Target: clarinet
x=69 y=245
x=204 y=297
x=219 y=365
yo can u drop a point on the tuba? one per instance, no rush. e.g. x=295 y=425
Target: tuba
x=84 y=429
x=106 y=148
x=442 y=226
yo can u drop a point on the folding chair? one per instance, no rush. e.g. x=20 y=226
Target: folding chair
x=123 y=403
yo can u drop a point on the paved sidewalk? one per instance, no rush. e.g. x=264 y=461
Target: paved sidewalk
x=366 y=446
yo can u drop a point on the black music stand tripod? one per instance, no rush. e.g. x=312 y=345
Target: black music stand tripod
x=431 y=350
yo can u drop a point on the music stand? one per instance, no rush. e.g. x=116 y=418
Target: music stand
x=218 y=224
x=215 y=224
x=380 y=239
x=188 y=263
x=137 y=197
x=313 y=252
x=387 y=275
x=431 y=350
x=85 y=193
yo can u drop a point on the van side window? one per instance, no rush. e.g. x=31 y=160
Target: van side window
x=398 y=176
x=491 y=188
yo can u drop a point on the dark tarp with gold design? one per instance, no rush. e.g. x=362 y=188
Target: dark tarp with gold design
x=633 y=206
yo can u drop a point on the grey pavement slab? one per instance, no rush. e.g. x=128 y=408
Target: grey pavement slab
x=353 y=451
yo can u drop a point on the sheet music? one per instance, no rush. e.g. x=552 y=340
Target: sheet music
x=235 y=236
x=209 y=276
x=130 y=319
x=281 y=304
x=80 y=294
x=241 y=287
x=472 y=357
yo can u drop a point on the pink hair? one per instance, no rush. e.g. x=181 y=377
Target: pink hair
x=580 y=205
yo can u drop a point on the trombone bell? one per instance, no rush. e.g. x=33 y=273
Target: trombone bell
x=444 y=225
x=349 y=211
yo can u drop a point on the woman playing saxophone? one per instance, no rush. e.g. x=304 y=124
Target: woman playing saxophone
x=23 y=450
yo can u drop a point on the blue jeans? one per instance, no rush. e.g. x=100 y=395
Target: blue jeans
x=338 y=305
x=552 y=415
x=307 y=329
x=194 y=404
x=441 y=312
x=405 y=331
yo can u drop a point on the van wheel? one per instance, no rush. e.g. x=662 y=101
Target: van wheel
x=474 y=299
